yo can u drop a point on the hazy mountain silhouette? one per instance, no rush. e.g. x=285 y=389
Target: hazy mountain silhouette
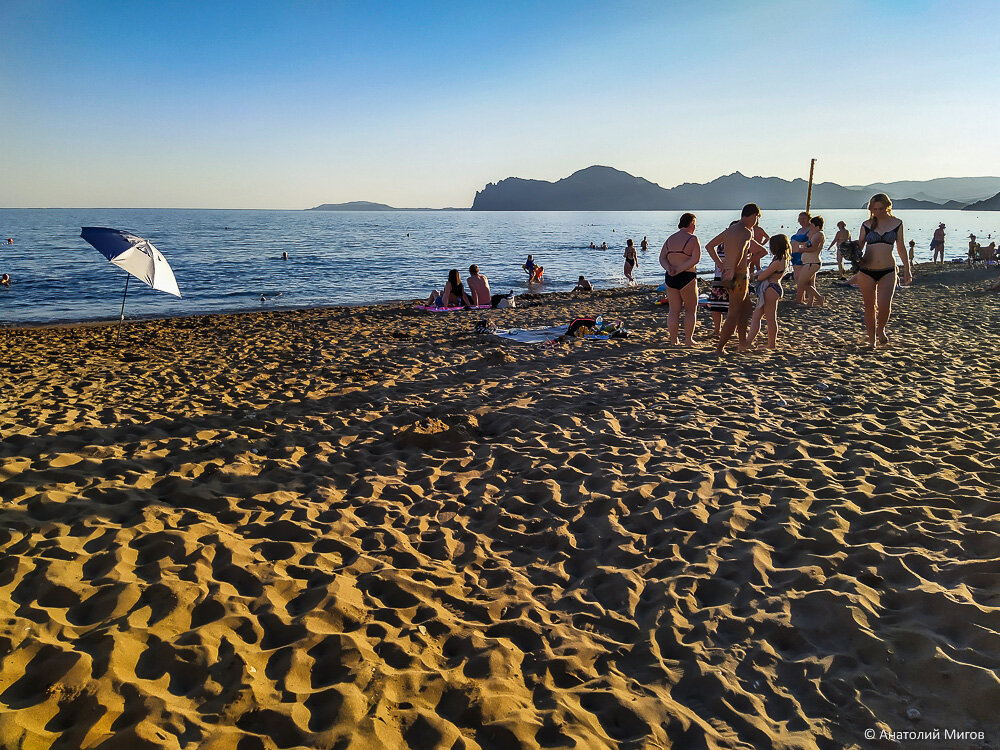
x=353 y=206
x=600 y=188
x=964 y=190
x=990 y=204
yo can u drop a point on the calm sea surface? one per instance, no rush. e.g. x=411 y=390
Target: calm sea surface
x=224 y=260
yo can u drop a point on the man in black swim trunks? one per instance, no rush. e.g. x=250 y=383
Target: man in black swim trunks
x=741 y=248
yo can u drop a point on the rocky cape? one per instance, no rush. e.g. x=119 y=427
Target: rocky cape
x=600 y=188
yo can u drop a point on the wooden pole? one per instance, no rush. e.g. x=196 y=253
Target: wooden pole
x=809 y=195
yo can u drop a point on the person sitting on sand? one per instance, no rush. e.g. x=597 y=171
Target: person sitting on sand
x=843 y=235
x=679 y=257
x=769 y=291
x=740 y=250
x=5 y=280
x=631 y=260
x=583 y=285
x=453 y=294
x=479 y=286
x=880 y=235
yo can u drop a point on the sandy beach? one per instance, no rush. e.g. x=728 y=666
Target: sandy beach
x=372 y=528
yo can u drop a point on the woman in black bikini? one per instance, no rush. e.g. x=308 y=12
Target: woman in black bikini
x=877 y=276
x=679 y=257
x=453 y=295
x=630 y=261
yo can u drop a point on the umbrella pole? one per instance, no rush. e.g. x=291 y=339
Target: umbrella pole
x=121 y=317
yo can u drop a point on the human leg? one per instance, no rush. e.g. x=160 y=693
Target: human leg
x=689 y=299
x=816 y=298
x=745 y=311
x=867 y=286
x=674 y=314
x=800 y=287
x=754 y=324
x=885 y=290
x=771 y=316
x=736 y=317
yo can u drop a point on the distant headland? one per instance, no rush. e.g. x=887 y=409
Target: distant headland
x=369 y=206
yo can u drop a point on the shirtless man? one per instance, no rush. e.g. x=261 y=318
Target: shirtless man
x=479 y=286
x=741 y=250
x=937 y=243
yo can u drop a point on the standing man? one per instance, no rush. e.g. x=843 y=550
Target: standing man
x=741 y=251
x=937 y=244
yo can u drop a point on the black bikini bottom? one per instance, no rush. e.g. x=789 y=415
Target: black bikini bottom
x=679 y=281
x=877 y=274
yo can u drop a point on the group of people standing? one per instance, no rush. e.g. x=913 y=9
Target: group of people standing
x=738 y=252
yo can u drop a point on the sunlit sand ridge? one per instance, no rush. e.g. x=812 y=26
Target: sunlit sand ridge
x=372 y=528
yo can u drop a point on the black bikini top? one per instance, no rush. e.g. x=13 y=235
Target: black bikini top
x=886 y=238
x=683 y=248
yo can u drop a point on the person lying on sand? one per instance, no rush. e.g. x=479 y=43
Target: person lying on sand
x=583 y=285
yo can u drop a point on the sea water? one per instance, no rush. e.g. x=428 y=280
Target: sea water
x=225 y=260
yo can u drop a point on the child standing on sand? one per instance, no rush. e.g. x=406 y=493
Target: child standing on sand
x=769 y=291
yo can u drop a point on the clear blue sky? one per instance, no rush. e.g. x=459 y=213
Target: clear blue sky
x=291 y=104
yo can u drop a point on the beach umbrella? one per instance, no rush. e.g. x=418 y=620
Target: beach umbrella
x=135 y=255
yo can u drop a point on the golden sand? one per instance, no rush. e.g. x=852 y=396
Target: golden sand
x=370 y=528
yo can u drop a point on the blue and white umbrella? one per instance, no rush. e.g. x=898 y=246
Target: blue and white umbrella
x=135 y=255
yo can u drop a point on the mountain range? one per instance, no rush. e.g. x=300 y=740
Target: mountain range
x=600 y=188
